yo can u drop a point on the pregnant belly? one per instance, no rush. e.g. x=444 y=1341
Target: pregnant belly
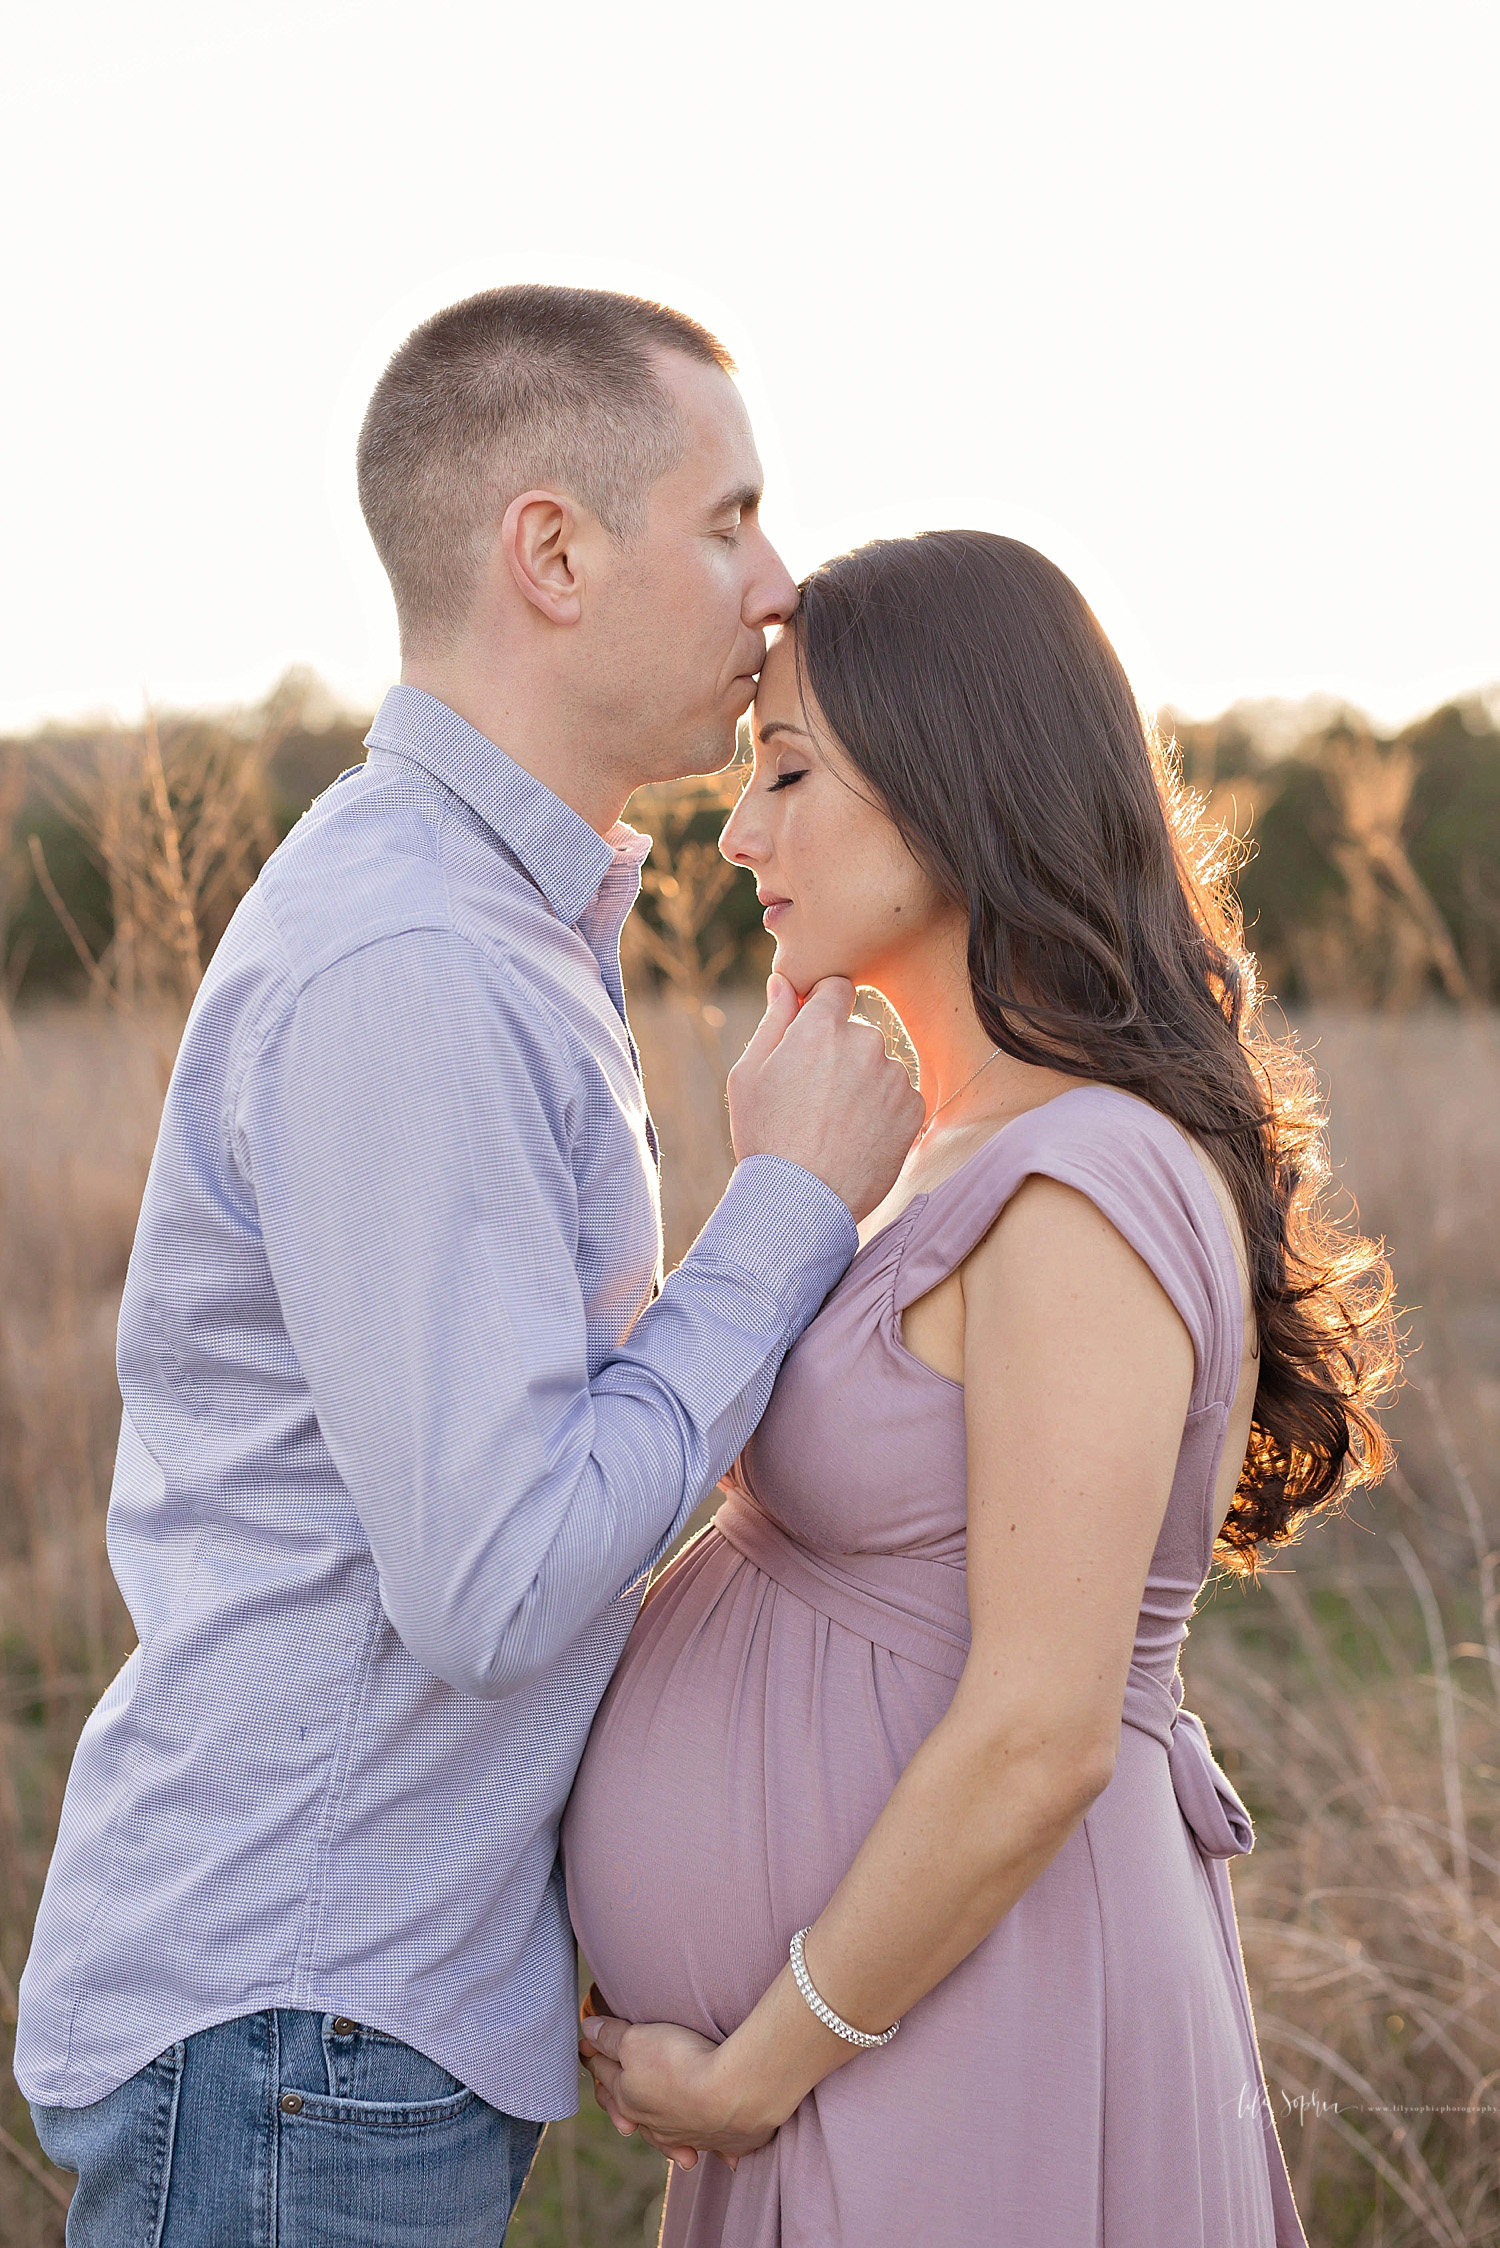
x=745 y=1747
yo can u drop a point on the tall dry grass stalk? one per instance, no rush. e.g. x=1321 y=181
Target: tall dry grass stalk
x=14 y=874
x=179 y=825
x=1382 y=940
x=1389 y=907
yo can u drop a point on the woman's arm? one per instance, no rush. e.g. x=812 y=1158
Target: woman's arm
x=1078 y=1374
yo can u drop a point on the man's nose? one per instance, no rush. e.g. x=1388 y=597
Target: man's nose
x=773 y=592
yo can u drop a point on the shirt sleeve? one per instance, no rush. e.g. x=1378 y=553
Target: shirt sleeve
x=408 y=1150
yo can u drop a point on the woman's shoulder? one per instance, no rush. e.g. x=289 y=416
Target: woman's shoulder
x=1088 y=1133
x=1100 y=1116
x=1135 y=1149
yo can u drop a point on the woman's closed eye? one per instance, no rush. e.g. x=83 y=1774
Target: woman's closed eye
x=785 y=780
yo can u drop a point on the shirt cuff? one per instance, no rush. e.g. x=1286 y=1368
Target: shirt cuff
x=786 y=1228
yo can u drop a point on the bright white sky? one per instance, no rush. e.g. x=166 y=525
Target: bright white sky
x=1203 y=300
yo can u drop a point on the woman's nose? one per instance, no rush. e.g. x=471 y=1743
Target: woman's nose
x=739 y=840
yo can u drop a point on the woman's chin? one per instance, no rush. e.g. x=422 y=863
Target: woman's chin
x=803 y=972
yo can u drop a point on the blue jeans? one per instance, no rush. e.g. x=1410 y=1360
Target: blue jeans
x=290 y=2130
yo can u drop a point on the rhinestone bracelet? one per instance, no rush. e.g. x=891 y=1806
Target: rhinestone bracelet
x=824 y=2011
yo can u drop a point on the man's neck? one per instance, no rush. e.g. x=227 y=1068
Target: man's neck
x=536 y=740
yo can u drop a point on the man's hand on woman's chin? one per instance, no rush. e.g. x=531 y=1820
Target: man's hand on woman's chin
x=673 y=2087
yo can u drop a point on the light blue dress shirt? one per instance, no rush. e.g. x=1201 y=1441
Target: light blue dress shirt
x=401 y=1437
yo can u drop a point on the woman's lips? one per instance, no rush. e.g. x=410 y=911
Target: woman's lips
x=774 y=906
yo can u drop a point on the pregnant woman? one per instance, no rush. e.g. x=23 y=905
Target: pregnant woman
x=913 y=1931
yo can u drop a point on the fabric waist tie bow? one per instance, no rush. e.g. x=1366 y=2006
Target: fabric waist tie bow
x=919 y=1610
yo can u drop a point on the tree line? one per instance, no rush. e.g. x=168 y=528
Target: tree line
x=1370 y=871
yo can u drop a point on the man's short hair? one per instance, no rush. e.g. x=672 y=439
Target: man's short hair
x=513 y=388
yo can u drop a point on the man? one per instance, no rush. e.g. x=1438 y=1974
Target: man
x=403 y=1427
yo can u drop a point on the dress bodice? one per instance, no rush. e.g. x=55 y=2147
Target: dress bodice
x=862 y=1449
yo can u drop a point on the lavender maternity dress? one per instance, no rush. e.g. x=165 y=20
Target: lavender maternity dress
x=1089 y=2076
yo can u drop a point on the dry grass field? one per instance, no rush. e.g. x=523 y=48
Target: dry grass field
x=1354 y=1693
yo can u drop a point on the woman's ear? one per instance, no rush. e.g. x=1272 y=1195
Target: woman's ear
x=539 y=538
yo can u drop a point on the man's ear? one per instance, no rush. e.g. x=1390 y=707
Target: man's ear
x=539 y=537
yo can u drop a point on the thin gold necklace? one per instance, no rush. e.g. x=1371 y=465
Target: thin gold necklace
x=992 y=1056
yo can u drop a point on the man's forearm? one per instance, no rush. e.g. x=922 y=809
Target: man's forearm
x=664 y=1418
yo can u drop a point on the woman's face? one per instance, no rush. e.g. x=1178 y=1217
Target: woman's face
x=842 y=894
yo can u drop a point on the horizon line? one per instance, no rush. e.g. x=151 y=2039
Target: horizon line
x=1194 y=702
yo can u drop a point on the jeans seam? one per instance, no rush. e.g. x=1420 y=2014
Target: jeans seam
x=270 y=2123
x=383 y=2115
x=163 y=2143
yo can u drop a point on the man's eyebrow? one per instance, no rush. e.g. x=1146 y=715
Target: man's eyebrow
x=742 y=498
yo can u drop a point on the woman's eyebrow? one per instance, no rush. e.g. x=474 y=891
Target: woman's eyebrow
x=782 y=726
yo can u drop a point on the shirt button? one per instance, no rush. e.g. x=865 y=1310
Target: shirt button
x=343 y=2027
x=291 y=2103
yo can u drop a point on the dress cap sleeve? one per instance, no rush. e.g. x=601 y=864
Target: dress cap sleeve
x=1136 y=1167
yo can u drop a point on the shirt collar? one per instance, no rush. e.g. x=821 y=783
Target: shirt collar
x=565 y=857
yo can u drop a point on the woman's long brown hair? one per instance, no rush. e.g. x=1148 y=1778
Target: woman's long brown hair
x=970 y=684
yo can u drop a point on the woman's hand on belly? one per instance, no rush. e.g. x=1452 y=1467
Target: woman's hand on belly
x=682 y=2091
x=673 y=2087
